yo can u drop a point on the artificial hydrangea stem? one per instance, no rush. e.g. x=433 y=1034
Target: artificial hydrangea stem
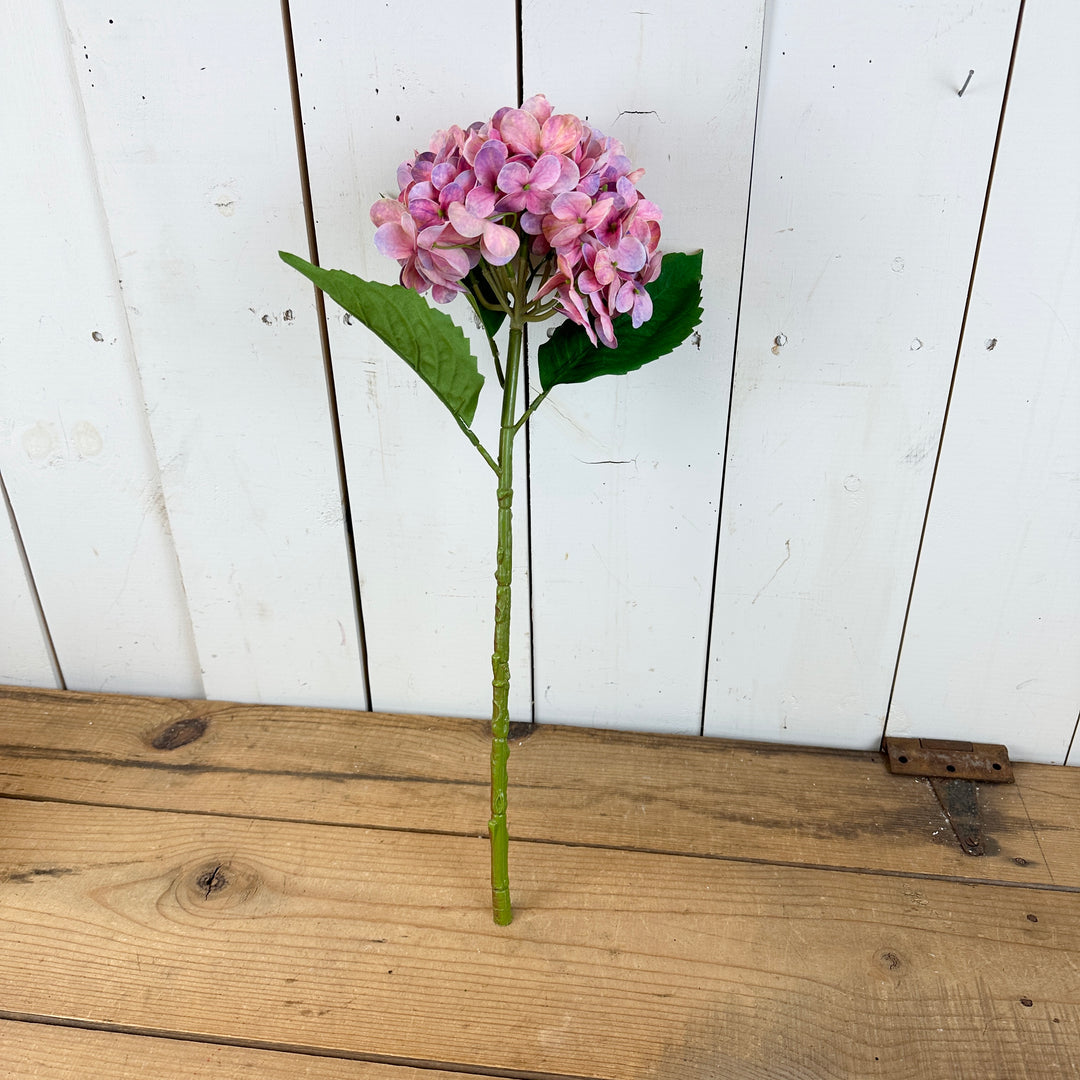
x=500 y=660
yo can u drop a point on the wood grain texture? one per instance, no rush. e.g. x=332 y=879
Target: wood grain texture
x=993 y=636
x=189 y=118
x=627 y=965
x=626 y=471
x=36 y=1051
x=75 y=448
x=424 y=507
x=652 y=793
x=869 y=180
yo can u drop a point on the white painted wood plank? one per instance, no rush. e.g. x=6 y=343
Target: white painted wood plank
x=189 y=118
x=423 y=500
x=992 y=649
x=24 y=651
x=626 y=470
x=869 y=179
x=74 y=443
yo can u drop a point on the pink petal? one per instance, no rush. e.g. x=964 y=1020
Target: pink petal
x=538 y=201
x=465 y=223
x=480 y=202
x=499 y=244
x=569 y=176
x=392 y=240
x=386 y=211
x=546 y=171
x=520 y=131
x=560 y=134
x=412 y=278
x=539 y=106
x=512 y=177
x=624 y=299
x=443 y=294
x=571 y=206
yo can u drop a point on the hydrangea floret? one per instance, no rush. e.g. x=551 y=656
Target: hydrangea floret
x=531 y=215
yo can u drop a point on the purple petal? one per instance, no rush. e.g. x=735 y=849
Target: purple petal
x=451 y=193
x=425 y=212
x=489 y=160
x=511 y=204
x=642 y=308
x=533 y=224
x=443 y=174
x=630 y=255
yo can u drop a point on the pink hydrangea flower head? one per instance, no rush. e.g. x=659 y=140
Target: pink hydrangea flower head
x=528 y=175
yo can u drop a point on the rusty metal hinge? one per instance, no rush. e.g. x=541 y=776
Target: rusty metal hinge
x=953 y=770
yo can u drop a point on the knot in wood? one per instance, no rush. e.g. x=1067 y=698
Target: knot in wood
x=218 y=884
x=179 y=733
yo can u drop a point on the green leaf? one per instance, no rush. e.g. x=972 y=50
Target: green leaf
x=429 y=341
x=568 y=356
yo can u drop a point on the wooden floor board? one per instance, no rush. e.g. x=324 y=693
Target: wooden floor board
x=571 y=785
x=37 y=1051
x=192 y=888
x=618 y=964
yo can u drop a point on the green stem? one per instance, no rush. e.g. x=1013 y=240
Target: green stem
x=500 y=660
x=478 y=302
x=471 y=436
x=529 y=411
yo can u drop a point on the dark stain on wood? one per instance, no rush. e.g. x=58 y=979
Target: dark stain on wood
x=519 y=730
x=197 y=768
x=29 y=877
x=180 y=734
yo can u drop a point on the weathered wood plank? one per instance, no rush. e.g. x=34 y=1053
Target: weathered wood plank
x=869 y=180
x=618 y=965
x=36 y=1051
x=992 y=639
x=189 y=118
x=75 y=448
x=656 y=793
x=634 y=464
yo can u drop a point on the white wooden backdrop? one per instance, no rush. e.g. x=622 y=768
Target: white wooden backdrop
x=850 y=503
